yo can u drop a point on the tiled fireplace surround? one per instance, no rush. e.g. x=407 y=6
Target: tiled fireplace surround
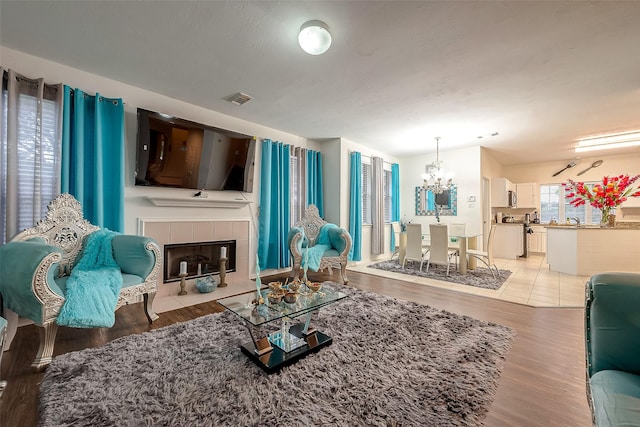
x=171 y=231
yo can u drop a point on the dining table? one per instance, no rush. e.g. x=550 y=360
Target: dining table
x=467 y=240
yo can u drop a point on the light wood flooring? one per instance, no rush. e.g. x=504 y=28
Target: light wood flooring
x=530 y=283
x=542 y=384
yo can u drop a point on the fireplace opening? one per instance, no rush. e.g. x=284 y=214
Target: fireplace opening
x=202 y=258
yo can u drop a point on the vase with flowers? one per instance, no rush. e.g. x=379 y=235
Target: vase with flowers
x=606 y=196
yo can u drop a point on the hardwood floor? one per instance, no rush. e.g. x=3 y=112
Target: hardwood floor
x=542 y=384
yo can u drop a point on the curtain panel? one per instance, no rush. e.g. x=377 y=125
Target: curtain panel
x=30 y=139
x=93 y=156
x=274 y=216
x=314 y=181
x=299 y=186
x=395 y=202
x=377 y=208
x=355 y=205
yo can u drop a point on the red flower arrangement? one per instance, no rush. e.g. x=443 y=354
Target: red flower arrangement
x=611 y=193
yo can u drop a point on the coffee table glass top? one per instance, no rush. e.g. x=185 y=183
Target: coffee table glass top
x=243 y=306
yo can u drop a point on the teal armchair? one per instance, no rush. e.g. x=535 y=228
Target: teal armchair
x=312 y=230
x=35 y=266
x=612 y=326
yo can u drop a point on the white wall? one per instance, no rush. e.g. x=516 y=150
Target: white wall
x=465 y=165
x=136 y=204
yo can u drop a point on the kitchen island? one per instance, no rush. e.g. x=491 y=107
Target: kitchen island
x=585 y=251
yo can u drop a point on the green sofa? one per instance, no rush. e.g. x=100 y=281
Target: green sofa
x=612 y=326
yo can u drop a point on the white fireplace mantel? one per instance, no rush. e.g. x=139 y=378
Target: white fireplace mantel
x=200 y=202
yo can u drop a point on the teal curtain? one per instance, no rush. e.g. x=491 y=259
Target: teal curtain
x=274 y=217
x=355 y=206
x=314 y=180
x=92 y=164
x=395 y=201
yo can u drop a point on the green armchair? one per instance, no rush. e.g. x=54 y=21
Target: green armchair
x=612 y=326
x=36 y=264
x=328 y=244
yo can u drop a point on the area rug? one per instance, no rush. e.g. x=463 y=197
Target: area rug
x=391 y=363
x=479 y=277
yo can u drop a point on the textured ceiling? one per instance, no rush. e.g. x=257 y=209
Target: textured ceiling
x=398 y=74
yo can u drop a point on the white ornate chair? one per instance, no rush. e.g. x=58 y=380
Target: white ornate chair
x=308 y=232
x=35 y=266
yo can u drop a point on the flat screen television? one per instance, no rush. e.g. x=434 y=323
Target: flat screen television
x=178 y=153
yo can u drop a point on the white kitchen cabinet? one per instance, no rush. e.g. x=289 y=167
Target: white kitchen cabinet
x=508 y=241
x=538 y=240
x=527 y=195
x=500 y=188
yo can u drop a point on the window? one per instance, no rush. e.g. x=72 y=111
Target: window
x=366 y=193
x=388 y=193
x=554 y=205
x=37 y=148
x=549 y=202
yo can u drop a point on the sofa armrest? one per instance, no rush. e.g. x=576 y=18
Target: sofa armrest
x=295 y=240
x=612 y=323
x=27 y=272
x=340 y=240
x=135 y=254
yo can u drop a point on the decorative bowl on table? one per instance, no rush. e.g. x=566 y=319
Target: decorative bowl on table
x=206 y=284
x=295 y=285
x=314 y=286
x=274 y=298
x=290 y=297
x=275 y=286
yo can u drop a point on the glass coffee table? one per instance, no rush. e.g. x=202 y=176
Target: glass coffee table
x=293 y=337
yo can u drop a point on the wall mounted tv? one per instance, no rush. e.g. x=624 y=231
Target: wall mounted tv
x=178 y=153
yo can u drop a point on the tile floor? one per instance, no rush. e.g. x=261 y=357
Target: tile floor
x=530 y=283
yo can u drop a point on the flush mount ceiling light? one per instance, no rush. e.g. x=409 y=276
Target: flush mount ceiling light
x=620 y=140
x=314 y=37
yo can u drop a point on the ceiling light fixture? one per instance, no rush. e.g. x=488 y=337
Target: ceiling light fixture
x=434 y=178
x=314 y=37
x=620 y=140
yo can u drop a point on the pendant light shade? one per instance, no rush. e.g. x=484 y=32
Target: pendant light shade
x=314 y=37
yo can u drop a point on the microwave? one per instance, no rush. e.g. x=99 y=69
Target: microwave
x=512 y=199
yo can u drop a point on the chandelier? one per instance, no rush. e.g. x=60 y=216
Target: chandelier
x=434 y=178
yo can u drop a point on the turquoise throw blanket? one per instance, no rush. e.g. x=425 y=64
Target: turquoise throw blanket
x=94 y=285
x=313 y=254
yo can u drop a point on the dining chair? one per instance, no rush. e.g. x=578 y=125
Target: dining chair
x=414 y=245
x=395 y=226
x=487 y=256
x=439 y=252
x=455 y=230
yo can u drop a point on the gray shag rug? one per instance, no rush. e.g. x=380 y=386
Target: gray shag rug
x=391 y=363
x=479 y=277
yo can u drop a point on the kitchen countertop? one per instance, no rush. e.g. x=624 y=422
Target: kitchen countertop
x=619 y=226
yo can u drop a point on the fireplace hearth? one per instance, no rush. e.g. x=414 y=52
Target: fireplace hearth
x=202 y=258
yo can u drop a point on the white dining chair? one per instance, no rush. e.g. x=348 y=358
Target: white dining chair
x=415 y=252
x=439 y=252
x=487 y=256
x=455 y=231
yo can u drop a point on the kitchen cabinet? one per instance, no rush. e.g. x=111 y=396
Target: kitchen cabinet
x=527 y=195
x=508 y=241
x=500 y=188
x=538 y=239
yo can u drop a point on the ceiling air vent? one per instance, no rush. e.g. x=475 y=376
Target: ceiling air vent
x=239 y=98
